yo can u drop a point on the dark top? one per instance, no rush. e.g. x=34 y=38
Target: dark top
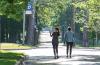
x=55 y=37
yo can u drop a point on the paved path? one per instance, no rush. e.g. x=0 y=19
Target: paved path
x=43 y=55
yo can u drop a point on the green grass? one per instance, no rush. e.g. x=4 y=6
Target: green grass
x=9 y=58
x=14 y=46
x=7 y=62
x=79 y=45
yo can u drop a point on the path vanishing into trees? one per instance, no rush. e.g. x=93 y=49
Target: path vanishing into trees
x=43 y=55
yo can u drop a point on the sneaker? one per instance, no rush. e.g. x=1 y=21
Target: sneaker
x=57 y=57
x=70 y=56
x=67 y=56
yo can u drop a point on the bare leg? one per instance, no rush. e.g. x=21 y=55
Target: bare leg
x=57 y=51
x=54 y=53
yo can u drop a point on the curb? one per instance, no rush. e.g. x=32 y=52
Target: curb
x=20 y=62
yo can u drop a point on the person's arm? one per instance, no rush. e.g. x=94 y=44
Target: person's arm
x=73 y=37
x=58 y=34
x=51 y=34
x=65 y=37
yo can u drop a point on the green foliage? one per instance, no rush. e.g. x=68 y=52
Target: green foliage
x=14 y=46
x=88 y=14
x=96 y=25
x=7 y=62
x=81 y=5
x=10 y=55
x=13 y=8
x=48 y=11
x=9 y=58
x=11 y=14
x=93 y=8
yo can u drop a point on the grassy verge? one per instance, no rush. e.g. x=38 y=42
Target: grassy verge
x=9 y=58
x=89 y=46
x=13 y=46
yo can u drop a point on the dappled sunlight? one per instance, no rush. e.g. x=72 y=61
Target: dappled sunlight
x=43 y=54
x=79 y=57
x=44 y=60
x=14 y=46
x=50 y=32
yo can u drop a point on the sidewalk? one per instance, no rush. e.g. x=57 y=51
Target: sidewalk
x=43 y=55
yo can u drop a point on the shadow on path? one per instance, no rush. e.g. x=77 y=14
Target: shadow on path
x=88 y=58
x=43 y=54
x=36 y=63
x=49 y=60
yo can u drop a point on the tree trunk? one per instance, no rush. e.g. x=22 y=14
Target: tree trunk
x=30 y=29
x=85 y=37
x=85 y=29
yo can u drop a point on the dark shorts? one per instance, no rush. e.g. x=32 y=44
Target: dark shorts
x=55 y=45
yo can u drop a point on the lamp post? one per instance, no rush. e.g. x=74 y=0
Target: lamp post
x=23 y=27
x=31 y=22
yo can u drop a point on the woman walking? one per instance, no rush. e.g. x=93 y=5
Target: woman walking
x=55 y=42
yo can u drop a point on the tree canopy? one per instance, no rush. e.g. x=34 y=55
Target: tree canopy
x=13 y=8
x=50 y=10
x=93 y=9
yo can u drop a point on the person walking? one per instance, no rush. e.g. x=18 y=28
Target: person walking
x=69 y=40
x=55 y=42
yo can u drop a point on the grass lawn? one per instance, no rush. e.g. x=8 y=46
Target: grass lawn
x=90 y=46
x=9 y=58
x=14 y=46
x=7 y=62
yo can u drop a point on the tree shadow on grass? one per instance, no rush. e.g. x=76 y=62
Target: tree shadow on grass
x=10 y=55
x=7 y=61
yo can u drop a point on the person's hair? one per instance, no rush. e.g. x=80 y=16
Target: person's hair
x=57 y=29
x=69 y=29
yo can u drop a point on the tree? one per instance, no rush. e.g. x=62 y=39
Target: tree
x=93 y=9
x=49 y=11
x=11 y=12
x=13 y=8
